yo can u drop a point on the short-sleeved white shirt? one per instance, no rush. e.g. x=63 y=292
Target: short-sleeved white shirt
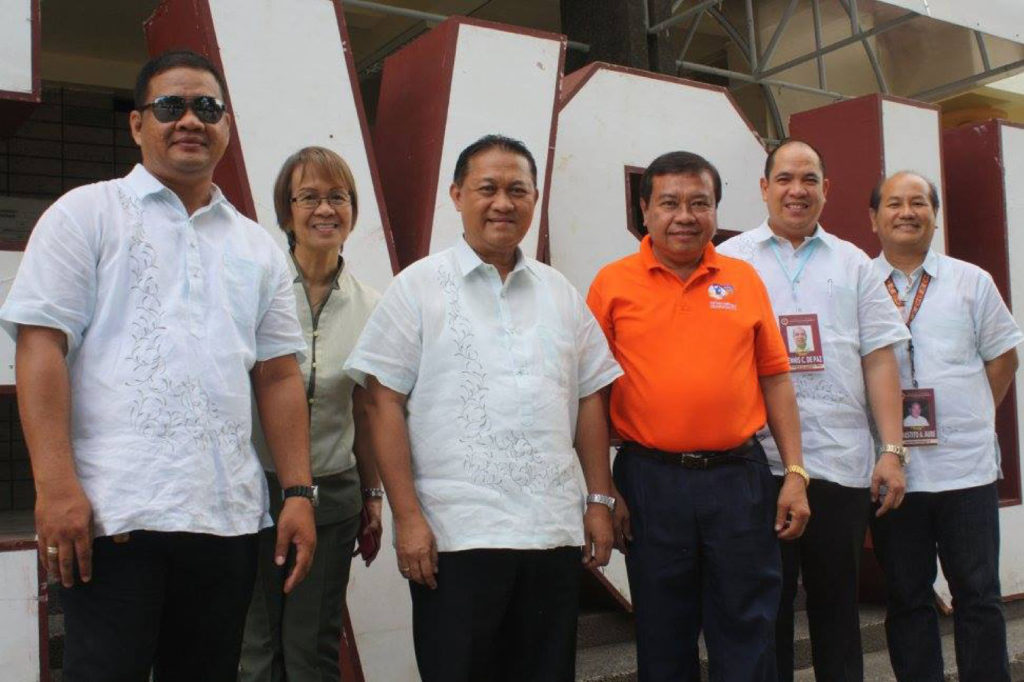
x=962 y=323
x=855 y=317
x=165 y=314
x=493 y=373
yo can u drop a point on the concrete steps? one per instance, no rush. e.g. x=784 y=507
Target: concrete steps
x=878 y=669
x=607 y=651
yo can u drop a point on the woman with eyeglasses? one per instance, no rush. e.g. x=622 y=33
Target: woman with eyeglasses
x=296 y=636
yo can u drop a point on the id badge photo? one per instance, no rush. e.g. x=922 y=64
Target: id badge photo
x=803 y=342
x=919 y=420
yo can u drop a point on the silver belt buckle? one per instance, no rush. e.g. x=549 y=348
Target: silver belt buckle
x=692 y=461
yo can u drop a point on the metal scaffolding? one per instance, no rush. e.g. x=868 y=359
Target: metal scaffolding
x=761 y=72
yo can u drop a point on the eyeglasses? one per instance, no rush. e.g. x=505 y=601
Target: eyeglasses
x=311 y=202
x=171 y=108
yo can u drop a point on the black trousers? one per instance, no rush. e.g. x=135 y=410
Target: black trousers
x=705 y=556
x=827 y=556
x=173 y=603
x=961 y=527
x=499 y=614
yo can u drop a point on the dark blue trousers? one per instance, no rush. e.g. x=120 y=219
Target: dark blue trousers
x=961 y=527
x=705 y=557
x=499 y=615
x=173 y=603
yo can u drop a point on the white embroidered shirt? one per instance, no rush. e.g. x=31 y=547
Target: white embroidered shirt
x=493 y=373
x=165 y=314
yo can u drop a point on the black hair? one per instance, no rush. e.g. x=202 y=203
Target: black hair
x=486 y=143
x=876 y=192
x=175 y=59
x=679 y=163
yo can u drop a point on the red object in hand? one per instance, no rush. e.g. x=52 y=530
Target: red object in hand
x=367 y=544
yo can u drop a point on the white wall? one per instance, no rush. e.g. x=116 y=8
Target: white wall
x=503 y=83
x=19 y=616
x=9 y=261
x=16 y=46
x=1011 y=563
x=290 y=89
x=1004 y=18
x=912 y=140
x=619 y=118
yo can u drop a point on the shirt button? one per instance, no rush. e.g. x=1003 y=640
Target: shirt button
x=313 y=365
x=316 y=334
x=310 y=401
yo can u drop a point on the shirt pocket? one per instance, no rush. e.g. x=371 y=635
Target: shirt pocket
x=556 y=356
x=242 y=284
x=952 y=340
x=843 y=311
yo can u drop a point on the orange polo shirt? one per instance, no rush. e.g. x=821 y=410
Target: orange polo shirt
x=692 y=351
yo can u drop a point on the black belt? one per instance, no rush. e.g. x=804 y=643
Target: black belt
x=698 y=459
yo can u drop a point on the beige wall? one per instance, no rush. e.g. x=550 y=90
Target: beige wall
x=73 y=69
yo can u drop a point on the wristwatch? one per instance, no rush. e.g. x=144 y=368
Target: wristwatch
x=801 y=472
x=373 y=493
x=598 y=498
x=310 y=492
x=901 y=452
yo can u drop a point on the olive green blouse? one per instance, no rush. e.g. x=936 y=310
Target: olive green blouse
x=330 y=335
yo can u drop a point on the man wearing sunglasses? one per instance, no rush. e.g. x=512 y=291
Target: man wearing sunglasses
x=145 y=310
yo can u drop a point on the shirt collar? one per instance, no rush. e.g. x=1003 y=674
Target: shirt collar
x=468 y=260
x=763 y=233
x=297 y=272
x=143 y=184
x=708 y=259
x=930 y=265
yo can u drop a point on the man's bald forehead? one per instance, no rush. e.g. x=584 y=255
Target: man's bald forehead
x=769 y=163
x=877 y=193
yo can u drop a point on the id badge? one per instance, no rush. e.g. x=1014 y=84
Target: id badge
x=803 y=342
x=919 y=425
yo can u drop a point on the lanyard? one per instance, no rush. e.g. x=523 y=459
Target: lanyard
x=805 y=256
x=922 y=289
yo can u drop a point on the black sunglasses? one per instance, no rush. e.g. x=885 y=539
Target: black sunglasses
x=170 y=108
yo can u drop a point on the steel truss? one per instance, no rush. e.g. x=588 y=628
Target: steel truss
x=760 y=70
x=761 y=73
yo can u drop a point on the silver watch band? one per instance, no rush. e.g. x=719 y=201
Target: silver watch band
x=598 y=498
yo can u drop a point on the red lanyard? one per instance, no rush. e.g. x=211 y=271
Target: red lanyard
x=922 y=289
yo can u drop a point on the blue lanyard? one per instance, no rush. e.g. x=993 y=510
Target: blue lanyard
x=806 y=256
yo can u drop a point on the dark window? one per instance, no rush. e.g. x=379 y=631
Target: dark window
x=72 y=138
x=17 y=492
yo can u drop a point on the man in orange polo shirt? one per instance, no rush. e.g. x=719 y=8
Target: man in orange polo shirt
x=705 y=367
